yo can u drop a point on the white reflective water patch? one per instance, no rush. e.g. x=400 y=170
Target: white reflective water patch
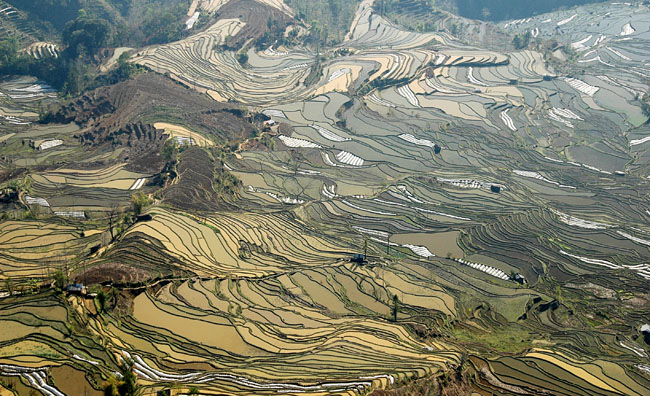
x=581 y=86
x=627 y=30
x=138 y=184
x=349 y=159
x=507 y=120
x=567 y=20
x=297 y=143
x=574 y=221
x=636 y=142
x=419 y=142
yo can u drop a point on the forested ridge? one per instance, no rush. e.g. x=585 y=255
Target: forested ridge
x=136 y=23
x=86 y=28
x=333 y=17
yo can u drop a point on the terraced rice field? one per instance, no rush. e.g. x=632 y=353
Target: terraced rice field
x=20 y=98
x=43 y=50
x=32 y=249
x=567 y=375
x=500 y=199
x=294 y=328
x=183 y=134
x=113 y=177
x=239 y=244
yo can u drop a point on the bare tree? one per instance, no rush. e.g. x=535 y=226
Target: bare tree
x=113 y=218
x=295 y=160
x=395 y=307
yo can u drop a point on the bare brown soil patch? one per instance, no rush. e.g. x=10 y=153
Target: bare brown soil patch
x=194 y=190
x=122 y=116
x=256 y=16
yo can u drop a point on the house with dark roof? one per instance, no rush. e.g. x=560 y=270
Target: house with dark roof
x=76 y=288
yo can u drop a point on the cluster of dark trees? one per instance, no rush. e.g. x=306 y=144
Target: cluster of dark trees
x=521 y=41
x=83 y=39
x=12 y=61
x=137 y=23
x=385 y=7
x=333 y=16
x=499 y=10
x=161 y=22
x=56 y=13
x=275 y=35
x=85 y=35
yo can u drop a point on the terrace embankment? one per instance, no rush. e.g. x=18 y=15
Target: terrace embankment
x=194 y=190
x=143 y=140
x=125 y=265
x=454 y=382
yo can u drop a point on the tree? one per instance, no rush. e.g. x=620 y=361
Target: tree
x=395 y=307
x=113 y=216
x=126 y=386
x=315 y=34
x=9 y=54
x=33 y=286
x=242 y=58
x=139 y=202
x=110 y=389
x=101 y=299
x=335 y=8
x=454 y=29
x=194 y=391
x=9 y=285
x=521 y=41
x=125 y=69
x=170 y=150
x=295 y=160
x=162 y=24
x=86 y=36
x=60 y=279
x=77 y=76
